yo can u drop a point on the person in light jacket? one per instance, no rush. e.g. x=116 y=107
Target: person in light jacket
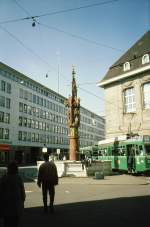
x=12 y=196
x=48 y=178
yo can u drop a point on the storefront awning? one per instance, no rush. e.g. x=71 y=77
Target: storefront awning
x=4 y=147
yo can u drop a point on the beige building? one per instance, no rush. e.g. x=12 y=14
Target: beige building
x=127 y=91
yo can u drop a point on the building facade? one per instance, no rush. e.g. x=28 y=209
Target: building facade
x=33 y=116
x=127 y=92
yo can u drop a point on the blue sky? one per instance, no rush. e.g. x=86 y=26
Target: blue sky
x=90 y=38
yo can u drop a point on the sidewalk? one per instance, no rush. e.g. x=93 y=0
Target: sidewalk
x=123 y=200
x=108 y=180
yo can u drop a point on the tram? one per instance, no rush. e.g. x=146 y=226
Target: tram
x=127 y=153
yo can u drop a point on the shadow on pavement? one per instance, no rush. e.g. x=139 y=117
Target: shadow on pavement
x=132 y=211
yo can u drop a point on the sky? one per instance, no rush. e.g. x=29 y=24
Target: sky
x=87 y=34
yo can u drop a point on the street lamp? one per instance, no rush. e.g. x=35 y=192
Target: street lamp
x=44 y=149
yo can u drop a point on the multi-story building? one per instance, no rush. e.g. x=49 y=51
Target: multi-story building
x=33 y=116
x=127 y=91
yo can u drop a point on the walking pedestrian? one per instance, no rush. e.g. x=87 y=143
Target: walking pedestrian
x=48 y=178
x=12 y=194
x=131 y=161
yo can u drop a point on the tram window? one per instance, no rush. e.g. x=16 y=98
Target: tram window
x=114 y=152
x=140 y=151
x=100 y=153
x=137 y=149
x=121 y=151
x=105 y=152
x=147 y=149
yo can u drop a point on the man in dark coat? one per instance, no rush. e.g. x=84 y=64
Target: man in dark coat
x=48 y=178
x=12 y=194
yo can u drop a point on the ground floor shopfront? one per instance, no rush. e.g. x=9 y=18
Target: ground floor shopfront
x=26 y=155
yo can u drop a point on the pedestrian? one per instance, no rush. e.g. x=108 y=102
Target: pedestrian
x=48 y=178
x=12 y=196
x=82 y=158
x=131 y=162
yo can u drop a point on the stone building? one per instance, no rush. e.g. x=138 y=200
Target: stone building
x=127 y=91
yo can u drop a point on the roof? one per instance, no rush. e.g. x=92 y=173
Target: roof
x=133 y=55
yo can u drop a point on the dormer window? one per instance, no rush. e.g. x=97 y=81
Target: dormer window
x=126 y=66
x=145 y=59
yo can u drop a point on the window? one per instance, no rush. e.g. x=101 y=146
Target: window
x=8 y=103
x=6 y=133
x=29 y=110
x=2 y=101
x=126 y=66
x=7 y=118
x=1 y=133
x=8 y=88
x=146 y=91
x=24 y=136
x=29 y=136
x=33 y=137
x=21 y=93
x=20 y=135
x=25 y=122
x=20 y=121
x=29 y=123
x=34 y=98
x=145 y=59
x=36 y=137
x=25 y=95
x=3 y=85
x=25 y=108
x=1 y=116
x=20 y=107
x=129 y=100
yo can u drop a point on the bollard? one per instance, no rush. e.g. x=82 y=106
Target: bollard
x=99 y=175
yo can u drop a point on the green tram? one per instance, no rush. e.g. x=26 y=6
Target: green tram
x=130 y=154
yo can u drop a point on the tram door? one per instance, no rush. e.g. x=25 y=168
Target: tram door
x=130 y=158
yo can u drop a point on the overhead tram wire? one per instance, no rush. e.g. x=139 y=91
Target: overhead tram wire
x=58 y=12
x=30 y=50
x=34 y=21
x=80 y=37
x=65 y=32
x=98 y=97
x=22 y=8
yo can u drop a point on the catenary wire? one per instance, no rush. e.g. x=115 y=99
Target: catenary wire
x=58 y=12
x=31 y=51
x=80 y=37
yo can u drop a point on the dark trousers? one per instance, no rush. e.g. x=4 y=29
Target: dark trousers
x=48 y=188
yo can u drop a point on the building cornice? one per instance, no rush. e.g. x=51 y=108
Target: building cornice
x=125 y=75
